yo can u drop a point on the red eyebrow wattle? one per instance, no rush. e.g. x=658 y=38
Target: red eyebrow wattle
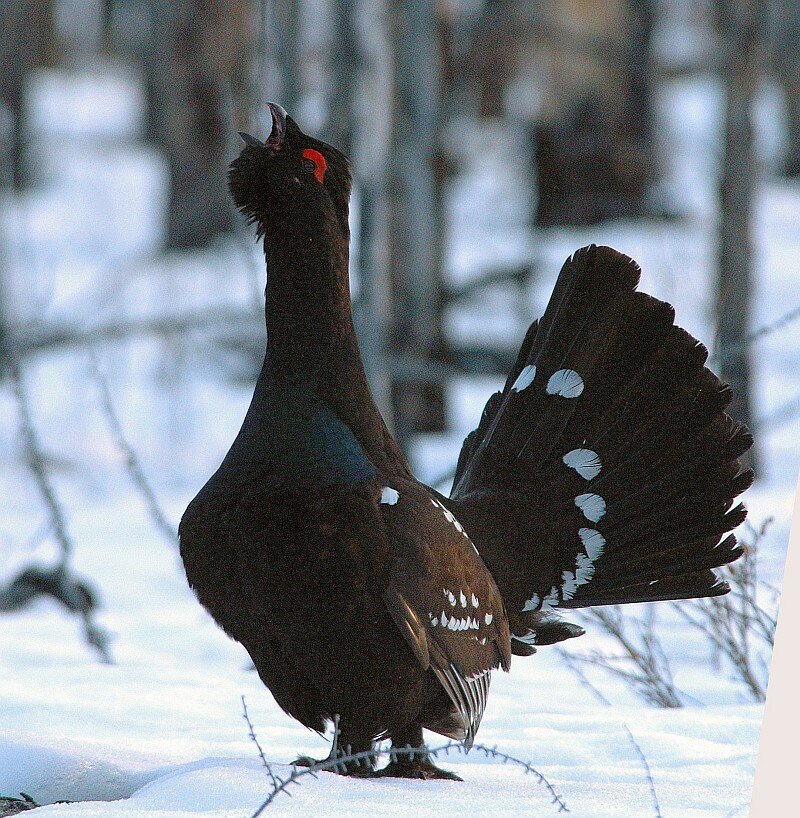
x=320 y=165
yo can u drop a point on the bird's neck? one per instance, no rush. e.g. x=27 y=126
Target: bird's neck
x=308 y=312
x=310 y=332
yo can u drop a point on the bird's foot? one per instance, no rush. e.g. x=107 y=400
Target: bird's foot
x=416 y=765
x=359 y=768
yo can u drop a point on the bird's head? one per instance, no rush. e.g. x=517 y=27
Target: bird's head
x=290 y=175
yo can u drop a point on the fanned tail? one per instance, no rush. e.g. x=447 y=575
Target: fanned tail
x=606 y=470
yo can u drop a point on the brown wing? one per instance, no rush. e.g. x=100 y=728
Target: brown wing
x=445 y=602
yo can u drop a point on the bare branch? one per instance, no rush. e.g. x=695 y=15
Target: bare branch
x=26 y=340
x=336 y=760
x=648 y=773
x=35 y=459
x=737 y=626
x=645 y=667
x=132 y=462
x=252 y=735
x=58 y=582
x=577 y=670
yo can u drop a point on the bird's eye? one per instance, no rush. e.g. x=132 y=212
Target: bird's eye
x=314 y=162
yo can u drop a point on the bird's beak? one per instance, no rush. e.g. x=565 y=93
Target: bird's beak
x=278 y=133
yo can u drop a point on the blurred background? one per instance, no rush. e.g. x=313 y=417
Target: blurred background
x=489 y=139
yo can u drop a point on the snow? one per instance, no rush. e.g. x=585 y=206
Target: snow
x=160 y=732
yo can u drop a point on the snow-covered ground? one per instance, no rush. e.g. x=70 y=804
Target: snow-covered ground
x=160 y=732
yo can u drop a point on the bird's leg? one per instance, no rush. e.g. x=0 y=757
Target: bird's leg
x=413 y=763
x=341 y=748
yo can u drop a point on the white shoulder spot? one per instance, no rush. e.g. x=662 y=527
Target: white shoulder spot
x=566 y=382
x=487 y=618
x=585 y=461
x=389 y=496
x=474 y=601
x=524 y=379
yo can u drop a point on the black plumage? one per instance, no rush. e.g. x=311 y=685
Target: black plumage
x=604 y=472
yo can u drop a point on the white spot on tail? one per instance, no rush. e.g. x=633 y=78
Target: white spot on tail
x=584 y=569
x=524 y=379
x=528 y=638
x=532 y=604
x=584 y=461
x=593 y=506
x=389 y=496
x=487 y=618
x=568 y=585
x=566 y=382
x=593 y=541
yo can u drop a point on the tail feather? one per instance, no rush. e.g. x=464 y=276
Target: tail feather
x=690 y=556
x=690 y=586
x=606 y=469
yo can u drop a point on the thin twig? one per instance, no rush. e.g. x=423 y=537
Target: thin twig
x=648 y=670
x=71 y=591
x=648 y=773
x=582 y=678
x=736 y=625
x=722 y=356
x=252 y=735
x=25 y=340
x=35 y=459
x=569 y=661
x=335 y=761
x=132 y=462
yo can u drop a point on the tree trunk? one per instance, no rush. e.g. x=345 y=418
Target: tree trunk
x=371 y=136
x=594 y=146
x=342 y=77
x=27 y=42
x=284 y=43
x=191 y=55
x=416 y=209
x=494 y=53
x=786 y=64
x=742 y=29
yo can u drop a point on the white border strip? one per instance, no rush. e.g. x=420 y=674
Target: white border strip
x=775 y=785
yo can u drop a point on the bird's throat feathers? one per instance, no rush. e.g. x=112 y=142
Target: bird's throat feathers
x=308 y=311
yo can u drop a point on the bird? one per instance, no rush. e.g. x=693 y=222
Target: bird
x=605 y=471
